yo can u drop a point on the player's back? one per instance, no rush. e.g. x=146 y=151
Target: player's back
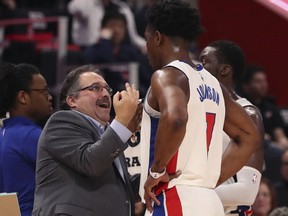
x=200 y=153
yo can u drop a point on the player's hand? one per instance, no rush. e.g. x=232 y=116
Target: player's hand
x=149 y=186
x=134 y=124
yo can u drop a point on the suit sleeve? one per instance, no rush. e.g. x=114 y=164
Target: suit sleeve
x=74 y=141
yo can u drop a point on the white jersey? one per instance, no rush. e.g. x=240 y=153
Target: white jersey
x=199 y=155
x=132 y=154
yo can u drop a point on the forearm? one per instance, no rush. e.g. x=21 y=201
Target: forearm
x=80 y=147
x=236 y=156
x=168 y=140
x=242 y=192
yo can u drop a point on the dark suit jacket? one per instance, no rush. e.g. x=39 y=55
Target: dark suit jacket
x=75 y=173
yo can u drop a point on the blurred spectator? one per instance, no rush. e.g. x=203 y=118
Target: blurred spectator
x=6 y=11
x=87 y=16
x=255 y=87
x=266 y=199
x=272 y=159
x=23 y=42
x=140 y=16
x=113 y=47
x=279 y=211
x=8 y=4
x=35 y=4
x=7 y=8
x=282 y=186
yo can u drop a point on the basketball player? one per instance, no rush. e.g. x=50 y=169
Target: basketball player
x=225 y=60
x=184 y=110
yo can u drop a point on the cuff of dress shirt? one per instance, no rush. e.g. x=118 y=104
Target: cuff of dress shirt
x=123 y=132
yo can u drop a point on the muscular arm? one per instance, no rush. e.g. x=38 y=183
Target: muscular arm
x=248 y=178
x=168 y=95
x=257 y=159
x=247 y=138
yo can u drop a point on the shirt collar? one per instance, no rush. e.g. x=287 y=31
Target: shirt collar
x=101 y=127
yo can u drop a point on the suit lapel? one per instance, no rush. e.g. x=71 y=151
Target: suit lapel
x=124 y=167
x=127 y=181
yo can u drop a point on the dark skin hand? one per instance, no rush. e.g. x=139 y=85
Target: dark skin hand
x=151 y=183
x=134 y=124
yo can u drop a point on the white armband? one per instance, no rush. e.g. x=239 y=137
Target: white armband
x=157 y=175
x=242 y=192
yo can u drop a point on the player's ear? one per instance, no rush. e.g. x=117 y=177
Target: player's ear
x=22 y=97
x=225 y=70
x=158 y=38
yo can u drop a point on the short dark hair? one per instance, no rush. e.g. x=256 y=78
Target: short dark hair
x=250 y=71
x=71 y=83
x=14 y=78
x=175 y=18
x=113 y=16
x=228 y=52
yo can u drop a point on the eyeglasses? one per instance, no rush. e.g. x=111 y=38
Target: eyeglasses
x=97 y=88
x=44 y=91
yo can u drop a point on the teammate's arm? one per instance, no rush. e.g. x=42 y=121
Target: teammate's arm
x=247 y=138
x=257 y=159
x=248 y=178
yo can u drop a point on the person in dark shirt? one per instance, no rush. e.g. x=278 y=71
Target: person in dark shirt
x=114 y=47
x=255 y=86
x=282 y=186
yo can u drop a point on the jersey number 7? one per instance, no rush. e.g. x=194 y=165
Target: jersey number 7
x=210 y=120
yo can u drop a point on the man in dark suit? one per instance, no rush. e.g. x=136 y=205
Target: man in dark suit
x=81 y=168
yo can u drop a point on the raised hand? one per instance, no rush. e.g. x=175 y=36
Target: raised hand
x=125 y=104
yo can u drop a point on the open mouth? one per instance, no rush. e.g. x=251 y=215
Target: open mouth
x=106 y=106
x=103 y=103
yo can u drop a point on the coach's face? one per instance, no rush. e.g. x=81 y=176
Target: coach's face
x=94 y=97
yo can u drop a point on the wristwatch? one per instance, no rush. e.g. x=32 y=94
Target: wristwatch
x=157 y=175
